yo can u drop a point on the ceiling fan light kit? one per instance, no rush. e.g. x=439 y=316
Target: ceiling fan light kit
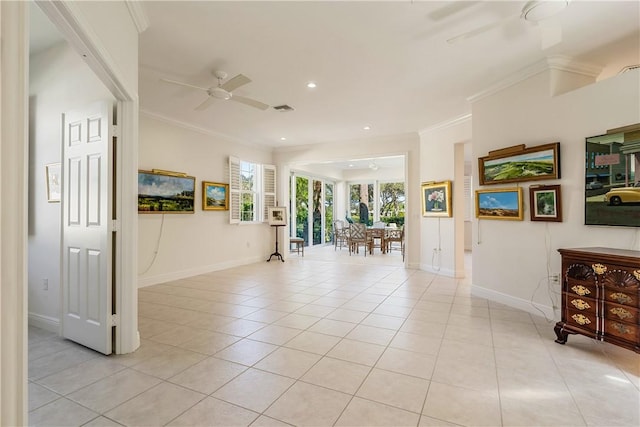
x=223 y=91
x=535 y=12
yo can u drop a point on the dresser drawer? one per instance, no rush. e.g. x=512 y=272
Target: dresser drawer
x=621 y=296
x=581 y=319
x=624 y=330
x=581 y=288
x=581 y=303
x=621 y=312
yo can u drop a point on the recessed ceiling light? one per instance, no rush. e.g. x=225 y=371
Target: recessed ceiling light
x=367 y=127
x=282 y=138
x=311 y=85
x=350 y=165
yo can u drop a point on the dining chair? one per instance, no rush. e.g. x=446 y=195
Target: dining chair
x=395 y=236
x=340 y=233
x=358 y=237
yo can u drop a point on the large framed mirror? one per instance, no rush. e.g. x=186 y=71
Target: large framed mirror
x=612 y=184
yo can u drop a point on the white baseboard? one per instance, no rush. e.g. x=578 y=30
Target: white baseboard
x=47 y=323
x=442 y=272
x=511 y=301
x=183 y=274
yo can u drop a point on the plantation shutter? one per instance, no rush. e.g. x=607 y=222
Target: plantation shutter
x=268 y=190
x=234 y=190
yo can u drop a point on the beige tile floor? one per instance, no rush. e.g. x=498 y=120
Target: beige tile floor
x=330 y=339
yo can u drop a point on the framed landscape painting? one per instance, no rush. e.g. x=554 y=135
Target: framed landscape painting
x=215 y=196
x=165 y=192
x=515 y=164
x=545 y=203
x=436 y=199
x=503 y=203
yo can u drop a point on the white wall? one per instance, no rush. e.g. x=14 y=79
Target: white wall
x=191 y=244
x=510 y=258
x=438 y=162
x=407 y=144
x=59 y=82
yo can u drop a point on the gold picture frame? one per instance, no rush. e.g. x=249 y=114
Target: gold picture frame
x=436 y=199
x=215 y=196
x=500 y=203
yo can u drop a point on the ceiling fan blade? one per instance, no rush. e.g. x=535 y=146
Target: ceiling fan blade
x=207 y=102
x=250 y=102
x=480 y=30
x=175 y=82
x=450 y=9
x=236 y=82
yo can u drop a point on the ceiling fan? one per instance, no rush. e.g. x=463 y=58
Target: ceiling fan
x=223 y=91
x=534 y=11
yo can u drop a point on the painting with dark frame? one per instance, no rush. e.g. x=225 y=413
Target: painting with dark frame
x=518 y=163
x=612 y=183
x=502 y=203
x=277 y=215
x=215 y=196
x=165 y=192
x=436 y=199
x=545 y=203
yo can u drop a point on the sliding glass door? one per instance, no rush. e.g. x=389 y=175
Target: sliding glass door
x=312 y=209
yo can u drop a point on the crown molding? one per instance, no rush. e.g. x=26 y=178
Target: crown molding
x=446 y=124
x=208 y=132
x=138 y=15
x=557 y=62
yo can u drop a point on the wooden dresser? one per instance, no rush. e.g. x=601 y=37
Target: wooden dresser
x=600 y=294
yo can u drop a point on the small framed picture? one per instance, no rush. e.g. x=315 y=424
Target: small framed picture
x=215 y=196
x=503 y=203
x=277 y=215
x=53 y=172
x=436 y=199
x=545 y=203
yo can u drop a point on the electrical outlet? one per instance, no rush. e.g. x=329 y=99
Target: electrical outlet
x=45 y=284
x=555 y=278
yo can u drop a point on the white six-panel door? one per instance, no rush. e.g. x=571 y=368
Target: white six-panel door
x=86 y=227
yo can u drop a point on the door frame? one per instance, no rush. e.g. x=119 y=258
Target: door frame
x=14 y=168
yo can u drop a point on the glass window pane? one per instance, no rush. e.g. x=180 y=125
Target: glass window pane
x=328 y=213
x=247 y=207
x=302 y=208
x=317 y=212
x=392 y=202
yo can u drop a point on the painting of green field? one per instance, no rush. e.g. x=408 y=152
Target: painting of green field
x=520 y=167
x=160 y=193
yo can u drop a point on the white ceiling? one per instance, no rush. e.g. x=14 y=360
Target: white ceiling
x=383 y=64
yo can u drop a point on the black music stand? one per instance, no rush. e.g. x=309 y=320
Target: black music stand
x=276 y=253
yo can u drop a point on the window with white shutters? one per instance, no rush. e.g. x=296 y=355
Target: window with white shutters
x=252 y=190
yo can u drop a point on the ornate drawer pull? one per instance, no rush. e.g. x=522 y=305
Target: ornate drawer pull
x=621 y=313
x=580 y=290
x=599 y=268
x=622 y=329
x=580 y=319
x=580 y=304
x=637 y=274
x=621 y=298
